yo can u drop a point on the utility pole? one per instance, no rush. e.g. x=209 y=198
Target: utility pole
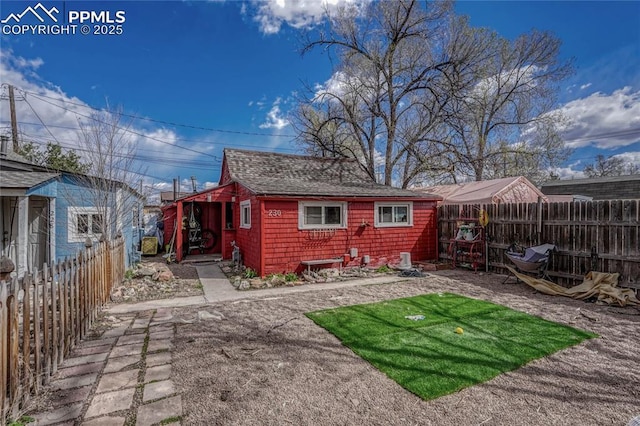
x=14 y=121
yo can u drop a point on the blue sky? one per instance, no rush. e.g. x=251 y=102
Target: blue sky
x=226 y=73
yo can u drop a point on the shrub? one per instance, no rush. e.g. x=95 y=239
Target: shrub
x=383 y=269
x=250 y=273
x=291 y=276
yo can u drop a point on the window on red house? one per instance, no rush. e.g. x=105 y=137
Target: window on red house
x=392 y=214
x=318 y=215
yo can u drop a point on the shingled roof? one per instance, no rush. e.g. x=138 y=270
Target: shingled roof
x=268 y=173
x=25 y=180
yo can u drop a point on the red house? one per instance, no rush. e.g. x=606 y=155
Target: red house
x=289 y=212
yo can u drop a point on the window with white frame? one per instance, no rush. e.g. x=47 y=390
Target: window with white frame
x=322 y=215
x=245 y=214
x=85 y=222
x=394 y=214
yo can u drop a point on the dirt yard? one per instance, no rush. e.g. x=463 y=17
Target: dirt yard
x=265 y=363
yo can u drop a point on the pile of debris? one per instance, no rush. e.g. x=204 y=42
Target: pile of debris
x=152 y=281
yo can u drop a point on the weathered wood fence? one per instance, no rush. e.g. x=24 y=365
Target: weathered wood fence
x=597 y=235
x=45 y=314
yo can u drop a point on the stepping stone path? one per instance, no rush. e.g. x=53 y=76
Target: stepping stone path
x=121 y=378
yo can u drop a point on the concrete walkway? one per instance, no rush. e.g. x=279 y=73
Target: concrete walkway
x=124 y=375
x=217 y=288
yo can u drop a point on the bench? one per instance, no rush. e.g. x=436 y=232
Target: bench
x=309 y=263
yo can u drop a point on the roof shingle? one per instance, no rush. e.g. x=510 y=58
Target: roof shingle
x=18 y=180
x=268 y=173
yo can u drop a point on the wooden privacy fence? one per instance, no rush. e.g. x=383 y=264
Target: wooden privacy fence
x=45 y=314
x=596 y=235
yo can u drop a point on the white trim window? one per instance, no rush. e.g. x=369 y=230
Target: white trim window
x=322 y=215
x=245 y=214
x=393 y=214
x=84 y=222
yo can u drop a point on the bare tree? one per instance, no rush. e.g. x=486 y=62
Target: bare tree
x=108 y=200
x=506 y=117
x=398 y=67
x=611 y=166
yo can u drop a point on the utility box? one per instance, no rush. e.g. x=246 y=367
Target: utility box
x=149 y=246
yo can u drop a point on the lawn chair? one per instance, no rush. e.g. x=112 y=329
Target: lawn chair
x=534 y=260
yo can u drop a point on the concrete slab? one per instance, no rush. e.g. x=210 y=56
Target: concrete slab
x=87 y=359
x=115 y=332
x=97 y=342
x=62 y=414
x=78 y=370
x=120 y=363
x=110 y=402
x=156 y=412
x=126 y=350
x=161 y=326
x=74 y=382
x=159 y=358
x=114 y=381
x=90 y=350
x=159 y=345
x=161 y=335
x=105 y=421
x=158 y=373
x=158 y=390
x=140 y=323
x=131 y=338
x=156 y=304
x=66 y=397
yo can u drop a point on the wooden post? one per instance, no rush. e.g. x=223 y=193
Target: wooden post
x=4 y=350
x=26 y=336
x=37 y=329
x=46 y=347
x=54 y=319
x=14 y=359
x=539 y=224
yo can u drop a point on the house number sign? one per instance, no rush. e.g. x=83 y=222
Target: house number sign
x=274 y=213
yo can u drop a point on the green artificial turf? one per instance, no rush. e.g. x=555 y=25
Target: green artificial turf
x=427 y=357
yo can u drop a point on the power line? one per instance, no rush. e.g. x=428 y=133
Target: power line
x=36 y=113
x=54 y=126
x=130 y=131
x=188 y=126
x=201 y=165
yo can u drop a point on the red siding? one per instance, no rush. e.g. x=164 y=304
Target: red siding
x=248 y=239
x=286 y=246
x=168 y=218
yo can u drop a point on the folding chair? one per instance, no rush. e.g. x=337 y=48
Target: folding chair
x=534 y=260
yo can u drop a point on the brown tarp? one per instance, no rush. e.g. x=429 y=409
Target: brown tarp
x=596 y=284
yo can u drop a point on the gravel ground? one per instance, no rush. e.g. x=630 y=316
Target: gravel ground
x=267 y=364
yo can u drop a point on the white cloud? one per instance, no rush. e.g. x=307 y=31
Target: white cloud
x=341 y=85
x=275 y=120
x=630 y=157
x=160 y=137
x=271 y=14
x=336 y=86
x=584 y=86
x=569 y=172
x=605 y=121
